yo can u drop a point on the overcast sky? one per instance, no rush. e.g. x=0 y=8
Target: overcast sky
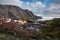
x=44 y=8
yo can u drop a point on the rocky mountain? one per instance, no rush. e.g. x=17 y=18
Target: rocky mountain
x=15 y=12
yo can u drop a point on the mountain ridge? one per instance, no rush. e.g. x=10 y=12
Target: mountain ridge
x=15 y=12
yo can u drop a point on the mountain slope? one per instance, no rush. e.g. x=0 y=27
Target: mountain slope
x=14 y=12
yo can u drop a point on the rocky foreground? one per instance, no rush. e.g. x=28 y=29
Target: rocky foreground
x=50 y=30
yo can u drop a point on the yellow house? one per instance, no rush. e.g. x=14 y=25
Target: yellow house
x=22 y=22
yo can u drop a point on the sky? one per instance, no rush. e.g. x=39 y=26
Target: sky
x=45 y=8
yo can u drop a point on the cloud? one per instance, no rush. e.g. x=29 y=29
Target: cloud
x=10 y=2
x=36 y=7
x=32 y=5
x=57 y=2
x=53 y=11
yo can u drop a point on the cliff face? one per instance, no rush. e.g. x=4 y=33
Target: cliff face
x=14 y=12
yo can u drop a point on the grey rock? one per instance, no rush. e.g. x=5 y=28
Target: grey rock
x=15 y=12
